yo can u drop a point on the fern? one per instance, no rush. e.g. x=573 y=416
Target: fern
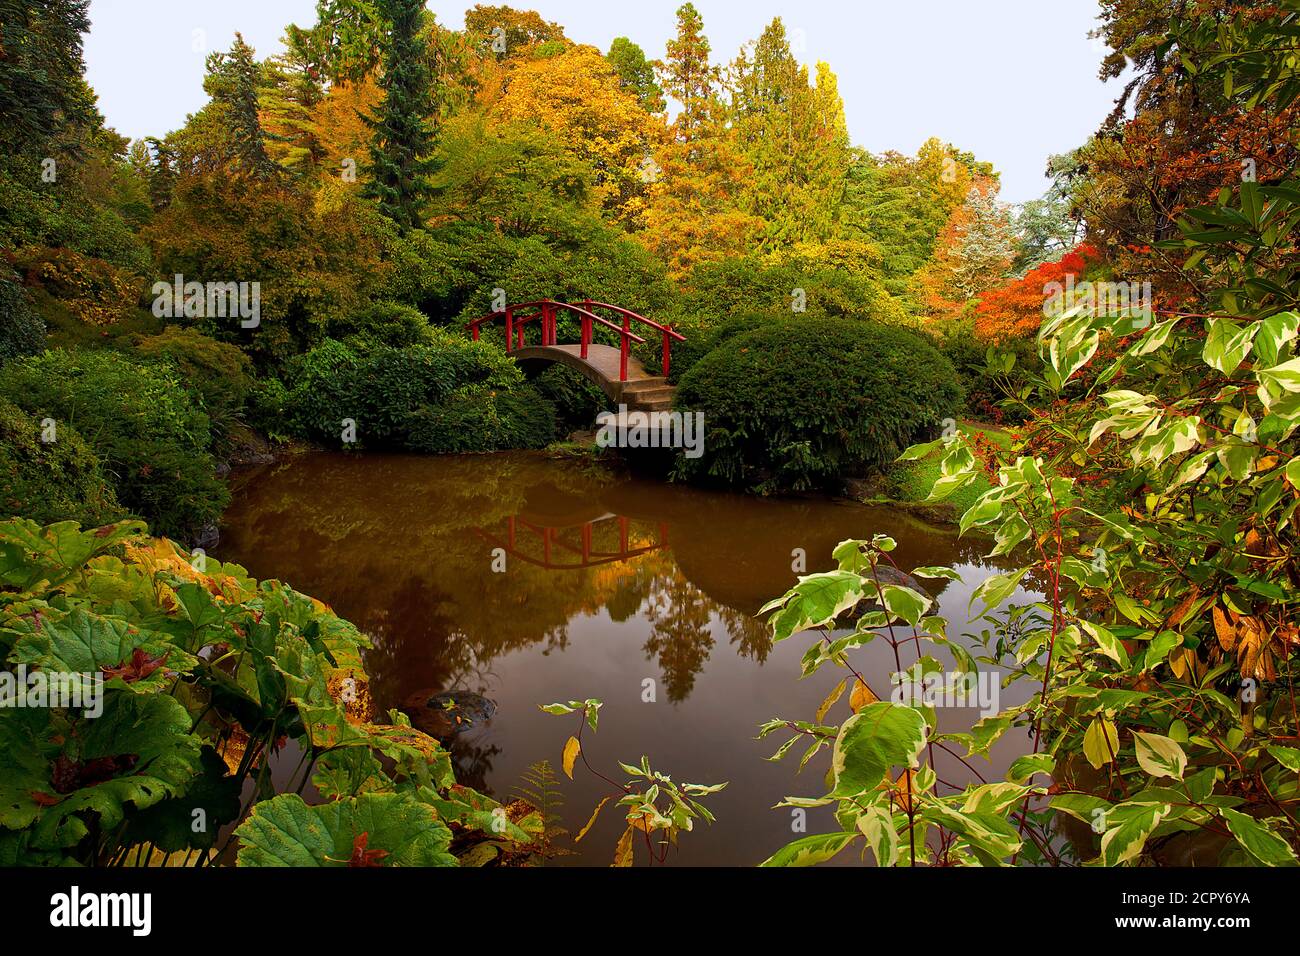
x=540 y=788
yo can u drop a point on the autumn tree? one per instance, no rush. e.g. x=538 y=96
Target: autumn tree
x=1170 y=145
x=699 y=174
x=795 y=137
x=974 y=251
x=505 y=32
x=577 y=97
x=1015 y=308
x=402 y=129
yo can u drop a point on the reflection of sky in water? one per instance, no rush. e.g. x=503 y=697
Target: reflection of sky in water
x=404 y=547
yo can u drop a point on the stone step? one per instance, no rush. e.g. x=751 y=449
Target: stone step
x=658 y=405
x=653 y=394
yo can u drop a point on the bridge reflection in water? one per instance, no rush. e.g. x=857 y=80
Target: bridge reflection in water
x=553 y=538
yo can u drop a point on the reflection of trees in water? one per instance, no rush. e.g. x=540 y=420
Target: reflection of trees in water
x=680 y=639
x=394 y=543
x=681 y=631
x=751 y=636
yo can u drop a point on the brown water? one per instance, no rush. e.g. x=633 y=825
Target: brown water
x=611 y=585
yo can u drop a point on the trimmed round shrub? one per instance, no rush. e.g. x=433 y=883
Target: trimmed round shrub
x=22 y=332
x=799 y=404
x=47 y=481
x=141 y=423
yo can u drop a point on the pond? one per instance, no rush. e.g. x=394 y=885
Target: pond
x=528 y=579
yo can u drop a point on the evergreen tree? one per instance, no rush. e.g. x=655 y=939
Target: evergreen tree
x=636 y=73
x=688 y=77
x=694 y=213
x=403 y=134
x=795 y=137
x=41 y=89
x=232 y=82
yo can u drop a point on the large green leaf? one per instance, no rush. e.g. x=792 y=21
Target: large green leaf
x=880 y=736
x=810 y=850
x=1261 y=843
x=285 y=831
x=84 y=643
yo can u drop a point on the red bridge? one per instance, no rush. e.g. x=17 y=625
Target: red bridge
x=615 y=371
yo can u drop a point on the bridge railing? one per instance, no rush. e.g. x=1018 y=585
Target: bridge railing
x=547 y=310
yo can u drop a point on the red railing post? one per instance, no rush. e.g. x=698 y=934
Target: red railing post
x=667 y=350
x=510 y=327
x=473 y=330
x=586 y=327
x=623 y=349
x=546 y=323
x=622 y=534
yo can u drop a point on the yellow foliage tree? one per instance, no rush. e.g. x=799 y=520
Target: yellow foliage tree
x=577 y=96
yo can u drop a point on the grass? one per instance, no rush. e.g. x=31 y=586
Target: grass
x=909 y=482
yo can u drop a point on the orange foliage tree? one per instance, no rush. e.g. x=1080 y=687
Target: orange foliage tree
x=1015 y=310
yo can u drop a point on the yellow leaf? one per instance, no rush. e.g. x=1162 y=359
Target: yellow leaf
x=1101 y=742
x=623 y=852
x=830 y=700
x=594 y=813
x=861 y=696
x=571 y=749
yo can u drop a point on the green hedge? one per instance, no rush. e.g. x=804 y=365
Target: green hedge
x=798 y=404
x=48 y=481
x=140 y=422
x=450 y=395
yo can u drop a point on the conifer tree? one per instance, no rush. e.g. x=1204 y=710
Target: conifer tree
x=402 y=131
x=41 y=86
x=694 y=213
x=232 y=82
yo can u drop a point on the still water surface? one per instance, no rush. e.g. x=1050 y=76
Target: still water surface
x=530 y=580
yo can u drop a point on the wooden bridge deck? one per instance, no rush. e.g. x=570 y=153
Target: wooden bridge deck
x=641 y=392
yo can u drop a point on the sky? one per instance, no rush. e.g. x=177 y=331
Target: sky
x=1012 y=81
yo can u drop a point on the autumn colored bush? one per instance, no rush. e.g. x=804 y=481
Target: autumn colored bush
x=1015 y=309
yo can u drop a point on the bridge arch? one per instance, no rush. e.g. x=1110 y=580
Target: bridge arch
x=615 y=371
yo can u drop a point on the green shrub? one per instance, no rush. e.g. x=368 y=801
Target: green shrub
x=577 y=401
x=701 y=339
x=416 y=398
x=139 y=420
x=59 y=480
x=21 y=330
x=797 y=404
x=987 y=384
x=220 y=373
x=382 y=323
x=483 y=421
